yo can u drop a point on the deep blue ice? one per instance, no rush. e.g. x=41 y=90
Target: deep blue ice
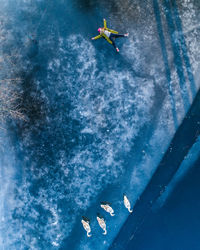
x=95 y=123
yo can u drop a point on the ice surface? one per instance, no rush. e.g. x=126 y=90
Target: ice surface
x=95 y=124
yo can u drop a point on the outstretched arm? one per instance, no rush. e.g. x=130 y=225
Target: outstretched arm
x=104 y=23
x=105 y=27
x=112 y=31
x=96 y=37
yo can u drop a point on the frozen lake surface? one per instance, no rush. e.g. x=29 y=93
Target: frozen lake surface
x=95 y=124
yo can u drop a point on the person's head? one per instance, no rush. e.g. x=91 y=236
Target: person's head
x=100 y=30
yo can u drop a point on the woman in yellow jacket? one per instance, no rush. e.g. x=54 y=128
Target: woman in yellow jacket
x=109 y=35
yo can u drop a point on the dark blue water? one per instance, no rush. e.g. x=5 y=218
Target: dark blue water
x=93 y=124
x=176 y=225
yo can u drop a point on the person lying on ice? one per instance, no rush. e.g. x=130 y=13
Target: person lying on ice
x=109 y=35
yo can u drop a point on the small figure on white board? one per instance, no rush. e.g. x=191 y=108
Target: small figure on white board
x=127 y=204
x=107 y=207
x=102 y=223
x=86 y=224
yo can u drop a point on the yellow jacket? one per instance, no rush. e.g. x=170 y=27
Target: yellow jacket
x=104 y=35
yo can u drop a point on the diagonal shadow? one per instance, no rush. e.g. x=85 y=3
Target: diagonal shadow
x=165 y=59
x=183 y=47
x=177 y=54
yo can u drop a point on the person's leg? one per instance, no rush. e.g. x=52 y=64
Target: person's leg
x=119 y=35
x=113 y=42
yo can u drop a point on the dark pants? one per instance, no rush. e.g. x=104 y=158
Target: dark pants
x=112 y=38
